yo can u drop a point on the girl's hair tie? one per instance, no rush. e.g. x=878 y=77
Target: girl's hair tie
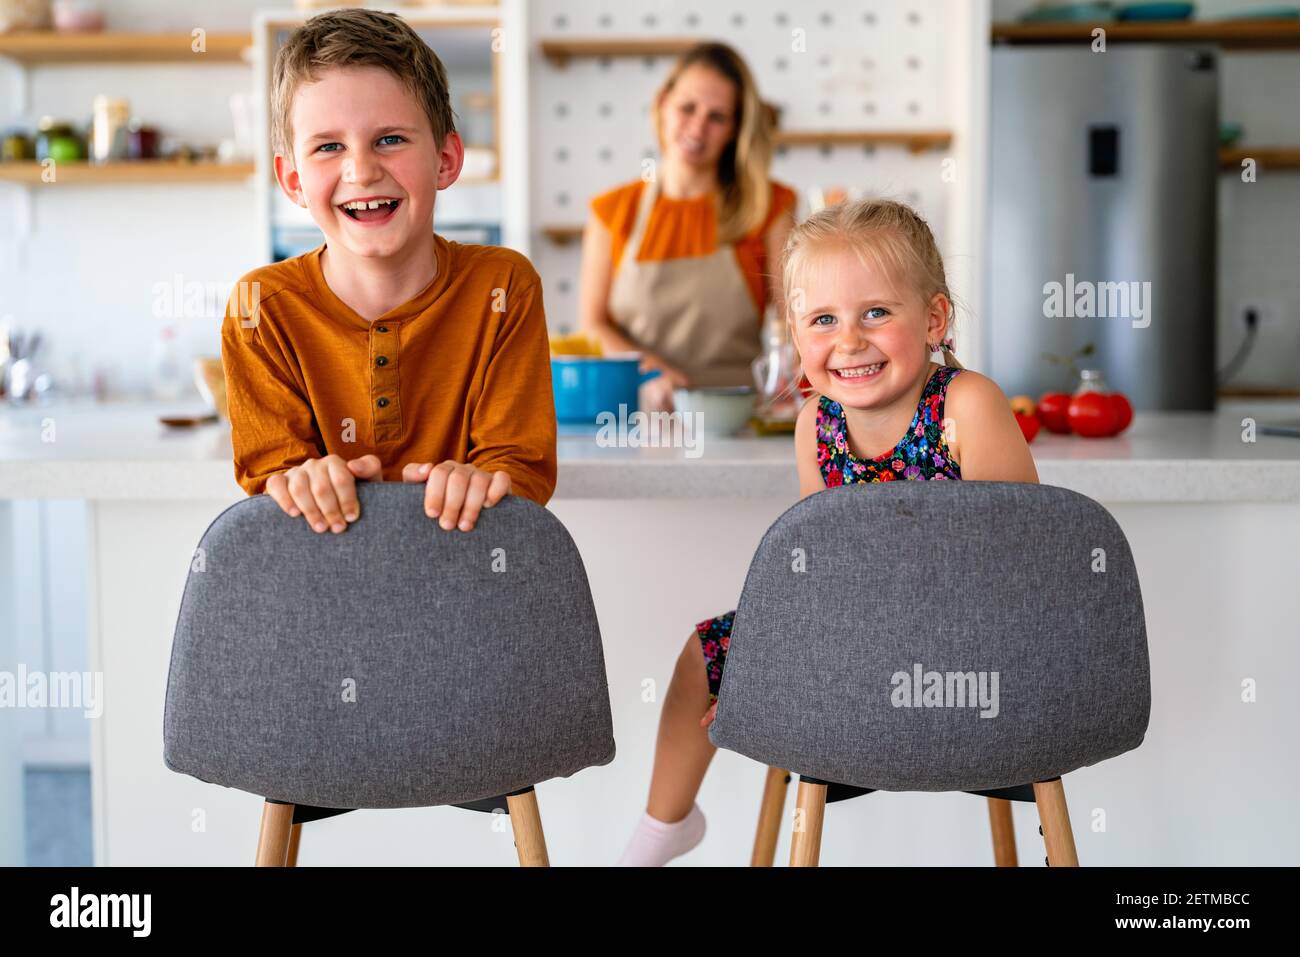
x=946 y=345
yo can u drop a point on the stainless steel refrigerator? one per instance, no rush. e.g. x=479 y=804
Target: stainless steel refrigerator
x=1102 y=220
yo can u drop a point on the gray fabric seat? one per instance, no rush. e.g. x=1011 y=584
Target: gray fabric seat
x=393 y=665
x=960 y=578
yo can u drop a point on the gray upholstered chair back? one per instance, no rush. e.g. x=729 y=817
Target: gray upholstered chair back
x=393 y=665
x=856 y=591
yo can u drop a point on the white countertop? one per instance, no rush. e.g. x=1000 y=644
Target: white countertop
x=120 y=451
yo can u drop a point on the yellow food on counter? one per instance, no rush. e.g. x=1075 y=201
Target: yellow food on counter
x=576 y=344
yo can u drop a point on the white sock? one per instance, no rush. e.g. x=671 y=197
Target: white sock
x=656 y=842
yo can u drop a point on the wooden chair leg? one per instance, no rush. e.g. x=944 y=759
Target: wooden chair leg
x=295 y=834
x=810 y=808
x=769 y=818
x=273 y=838
x=1055 y=817
x=527 y=823
x=1004 y=834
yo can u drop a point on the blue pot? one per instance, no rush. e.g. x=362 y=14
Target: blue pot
x=586 y=386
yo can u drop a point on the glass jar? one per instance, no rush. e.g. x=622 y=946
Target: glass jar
x=58 y=141
x=1091 y=380
x=110 y=140
x=16 y=147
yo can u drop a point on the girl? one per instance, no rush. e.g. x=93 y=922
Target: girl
x=867 y=304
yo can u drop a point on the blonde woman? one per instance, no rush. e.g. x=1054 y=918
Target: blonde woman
x=676 y=265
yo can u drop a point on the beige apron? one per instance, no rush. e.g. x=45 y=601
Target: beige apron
x=696 y=312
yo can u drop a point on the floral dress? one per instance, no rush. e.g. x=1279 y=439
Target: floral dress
x=921 y=454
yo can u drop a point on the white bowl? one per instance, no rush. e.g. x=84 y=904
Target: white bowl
x=721 y=411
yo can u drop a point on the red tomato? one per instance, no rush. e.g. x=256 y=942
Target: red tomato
x=1053 y=410
x=1028 y=425
x=1093 y=415
x=1123 y=412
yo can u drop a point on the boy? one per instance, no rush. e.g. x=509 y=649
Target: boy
x=388 y=352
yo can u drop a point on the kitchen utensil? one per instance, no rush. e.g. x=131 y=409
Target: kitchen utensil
x=141 y=141
x=24 y=15
x=775 y=374
x=1155 y=11
x=1285 y=429
x=721 y=411
x=58 y=141
x=210 y=380
x=1071 y=12
x=18 y=379
x=187 y=421
x=585 y=386
x=16 y=146
x=1285 y=12
x=109 y=143
x=78 y=16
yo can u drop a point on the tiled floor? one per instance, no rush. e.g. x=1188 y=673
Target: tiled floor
x=57 y=810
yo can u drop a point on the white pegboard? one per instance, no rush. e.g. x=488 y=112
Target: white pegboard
x=837 y=65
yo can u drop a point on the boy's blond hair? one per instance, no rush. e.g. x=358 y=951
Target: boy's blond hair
x=889 y=235
x=357 y=37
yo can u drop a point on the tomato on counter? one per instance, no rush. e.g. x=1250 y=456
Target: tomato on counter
x=1053 y=412
x=1024 y=410
x=1029 y=425
x=1095 y=412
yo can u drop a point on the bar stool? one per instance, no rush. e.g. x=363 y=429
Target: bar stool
x=878 y=623
x=393 y=665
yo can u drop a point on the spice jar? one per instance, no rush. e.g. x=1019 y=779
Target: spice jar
x=58 y=141
x=109 y=138
x=16 y=147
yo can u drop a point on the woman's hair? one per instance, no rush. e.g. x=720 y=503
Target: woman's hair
x=357 y=37
x=888 y=235
x=743 y=165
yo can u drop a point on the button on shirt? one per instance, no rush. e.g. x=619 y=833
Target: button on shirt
x=461 y=372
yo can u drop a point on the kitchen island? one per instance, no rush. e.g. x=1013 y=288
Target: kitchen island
x=666 y=539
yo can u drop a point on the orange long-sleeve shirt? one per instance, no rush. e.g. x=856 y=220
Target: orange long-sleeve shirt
x=460 y=372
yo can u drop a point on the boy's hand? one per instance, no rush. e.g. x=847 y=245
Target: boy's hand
x=455 y=492
x=709 y=716
x=323 y=490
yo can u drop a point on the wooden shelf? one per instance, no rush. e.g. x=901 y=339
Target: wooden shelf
x=136 y=171
x=1267 y=157
x=916 y=141
x=117 y=47
x=1229 y=34
x=560 y=52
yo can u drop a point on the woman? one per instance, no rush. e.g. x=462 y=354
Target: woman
x=676 y=265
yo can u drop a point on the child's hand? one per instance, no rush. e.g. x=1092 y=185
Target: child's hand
x=709 y=716
x=455 y=492
x=323 y=490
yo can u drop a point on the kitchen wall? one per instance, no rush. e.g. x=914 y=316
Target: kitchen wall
x=856 y=65
x=82 y=262
x=1259 y=230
